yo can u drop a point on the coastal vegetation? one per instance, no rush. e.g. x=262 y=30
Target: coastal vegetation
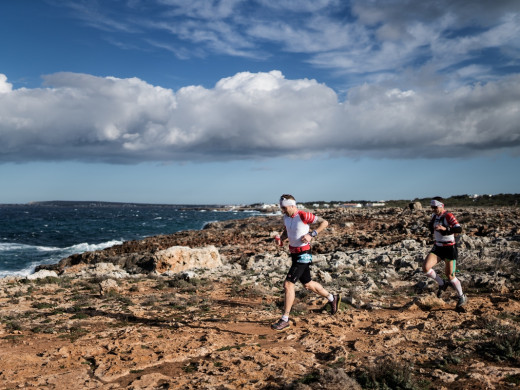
x=498 y=200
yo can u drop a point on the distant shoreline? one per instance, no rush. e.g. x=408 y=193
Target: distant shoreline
x=74 y=203
x=484 y=200
x=84 y=204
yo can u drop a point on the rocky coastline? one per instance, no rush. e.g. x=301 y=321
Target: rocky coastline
x=192 y=310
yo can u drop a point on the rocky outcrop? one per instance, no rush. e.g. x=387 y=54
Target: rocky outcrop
x=174 y=259
x=349 y=229
x=129 y=317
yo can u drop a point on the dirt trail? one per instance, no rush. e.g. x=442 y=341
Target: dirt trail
x=226 y=342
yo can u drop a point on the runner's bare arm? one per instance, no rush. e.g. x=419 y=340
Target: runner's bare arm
x=323 y=223
x=283 y=236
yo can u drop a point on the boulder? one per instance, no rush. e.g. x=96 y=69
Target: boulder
x=410 y=244
x=323 y=276
x=42 y=274
x=108 y=286
x=415 y=206
x=180 y=258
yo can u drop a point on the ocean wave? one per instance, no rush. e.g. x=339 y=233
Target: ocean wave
x=11 y=251
x=86 y=247
x=21 y=272
x=82 y=247
x=11 y=246
x=204 y=224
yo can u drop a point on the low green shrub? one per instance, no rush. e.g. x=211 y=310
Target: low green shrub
x=389 y=375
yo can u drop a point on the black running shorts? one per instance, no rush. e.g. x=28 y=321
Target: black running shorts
x=446 y=252
x=299 y=271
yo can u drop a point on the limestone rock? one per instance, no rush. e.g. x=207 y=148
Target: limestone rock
x=415 y=206
x=107 y=270
x=179 y=258
x=108 y=286
x=42 y=275
x=151 y=381
x=324 y=276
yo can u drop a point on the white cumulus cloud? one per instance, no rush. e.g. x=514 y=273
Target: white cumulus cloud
x=251 y=115
x=4 y=85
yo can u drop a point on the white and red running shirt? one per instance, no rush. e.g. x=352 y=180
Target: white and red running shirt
x=298 y=226
x=447 y=220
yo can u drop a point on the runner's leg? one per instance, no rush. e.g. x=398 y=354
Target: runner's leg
x=317 y=288
x=289 y=297
x=430 y=261
x=450 y=269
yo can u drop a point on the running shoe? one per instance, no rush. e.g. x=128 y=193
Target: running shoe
x=334 y=305
x=462 y=300
x=442 y=288
x=281 y=325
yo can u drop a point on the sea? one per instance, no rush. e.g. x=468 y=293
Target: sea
x=46 y=232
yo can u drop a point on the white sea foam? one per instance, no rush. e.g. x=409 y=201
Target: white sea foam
x=82 y=247
x=86 y=247
x=207 y=223
x=54 y=254
x=11 y=246
x=22 y=272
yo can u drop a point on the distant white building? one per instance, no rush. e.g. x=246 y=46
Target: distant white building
x=323 y=206
x=377 y=204
x=351 y=205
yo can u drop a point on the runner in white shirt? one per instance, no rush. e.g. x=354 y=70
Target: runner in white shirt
x=443 y=225
x=297 y=230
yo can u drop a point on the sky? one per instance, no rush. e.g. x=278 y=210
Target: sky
x=240 y=101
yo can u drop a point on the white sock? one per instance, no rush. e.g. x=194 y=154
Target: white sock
x=432 y=274
x=330 y=297
x=285 y=318
x=456 y=284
